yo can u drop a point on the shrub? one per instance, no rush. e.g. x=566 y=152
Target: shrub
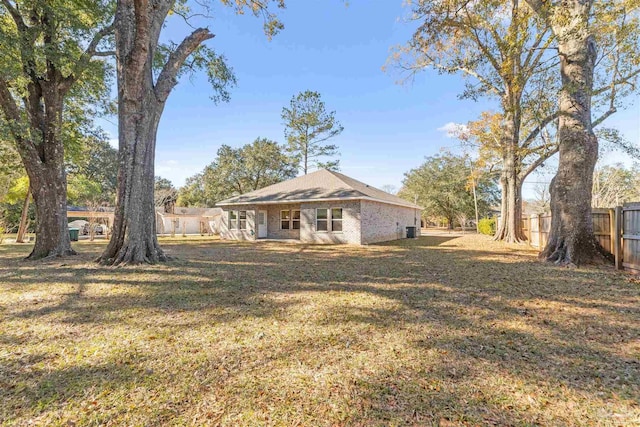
x=487 y=226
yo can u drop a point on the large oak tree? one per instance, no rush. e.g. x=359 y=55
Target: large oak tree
x=147 y=73
x=571 y=239
x=49 y=59
x=508 y=52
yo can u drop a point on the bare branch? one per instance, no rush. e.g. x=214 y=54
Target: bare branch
x=619 y=81
x=105 y=53
x=604 y=117
x=535 y=132
x=168 y=76
x=539 y=161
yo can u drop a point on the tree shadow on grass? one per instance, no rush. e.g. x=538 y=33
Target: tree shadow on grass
x=538 y=323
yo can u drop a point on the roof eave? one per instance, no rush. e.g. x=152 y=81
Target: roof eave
x=328 y=199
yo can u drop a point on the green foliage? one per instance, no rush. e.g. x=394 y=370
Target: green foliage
x=18 y=190
x=307 y=126
x=93 y=172
x=41 y=38
x=441 y=185
x=237 y=171
x=487 y=226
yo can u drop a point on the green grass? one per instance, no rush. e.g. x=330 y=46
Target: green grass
x=433 y=331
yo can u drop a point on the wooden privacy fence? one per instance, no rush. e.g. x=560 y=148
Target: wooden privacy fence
x=617 y=230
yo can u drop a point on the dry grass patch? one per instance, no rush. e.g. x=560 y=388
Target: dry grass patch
x=439 y=330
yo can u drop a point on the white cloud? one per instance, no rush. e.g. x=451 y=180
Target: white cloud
x=114 y=143
x=452 y=130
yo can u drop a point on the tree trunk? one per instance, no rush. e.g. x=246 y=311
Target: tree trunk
x=134 y=239
x=140 y=105
x=22 y=228
x=49 y=191
x=510 y=229
x=571 y=240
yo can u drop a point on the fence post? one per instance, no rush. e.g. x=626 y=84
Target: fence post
x=612 y=230
x=617 y=237
x=541 y=242
x=529 y=229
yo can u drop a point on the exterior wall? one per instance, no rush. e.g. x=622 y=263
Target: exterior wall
x=363 y=222
x=186 y=225
x=350 y=223
x=273 y=222
x=249 y=234
x=382 y=222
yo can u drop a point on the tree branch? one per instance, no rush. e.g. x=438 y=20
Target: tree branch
x=539 y=161
x=11 y=114
x=616 y=82
x=604 y=117
x=90 y=52
x=534 y=133
x=168 y=76
x=17 y=18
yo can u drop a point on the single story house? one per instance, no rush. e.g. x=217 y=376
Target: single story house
x=320 y=207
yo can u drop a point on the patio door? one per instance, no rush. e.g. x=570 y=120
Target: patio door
x=262 y=224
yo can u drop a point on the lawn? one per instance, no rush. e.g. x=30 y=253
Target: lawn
x=434 y=331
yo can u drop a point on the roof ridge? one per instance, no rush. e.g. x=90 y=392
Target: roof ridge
x=340 y=177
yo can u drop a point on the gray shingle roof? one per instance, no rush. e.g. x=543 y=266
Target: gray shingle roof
x=319 y=185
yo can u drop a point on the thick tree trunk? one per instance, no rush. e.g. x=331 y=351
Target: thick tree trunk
x=22 y=228
x=134 y=239
x=571 y=240
x=140 y=105
x=510 y=229
x=49 y=191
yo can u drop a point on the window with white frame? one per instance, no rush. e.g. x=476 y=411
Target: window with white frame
x=322 y=219
x=329 y=219
x=285 y=220
x=336 y=219
x=295 y=220
x=242 y=220
x=233 y=220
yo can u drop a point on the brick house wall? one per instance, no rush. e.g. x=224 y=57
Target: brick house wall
x=350 y=223
x=363 y=222
x=273 y=222
x=381 y=222
x=249 y=234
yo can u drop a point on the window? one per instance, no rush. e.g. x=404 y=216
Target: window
x=285 y=219
x=322 y=219
x=233 y=220
x=336 y=219
x=326 y=217
x=295 y=220
x=242 y=220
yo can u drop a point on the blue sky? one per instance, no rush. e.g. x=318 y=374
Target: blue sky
x=337 y=49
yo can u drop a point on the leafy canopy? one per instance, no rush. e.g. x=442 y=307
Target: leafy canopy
x=442 y=187
x=237 y=171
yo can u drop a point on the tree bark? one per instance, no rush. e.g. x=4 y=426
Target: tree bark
x=571 y=240
x=49 y=190
x=140 y=106
x=22 y=228
x=510 y=229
